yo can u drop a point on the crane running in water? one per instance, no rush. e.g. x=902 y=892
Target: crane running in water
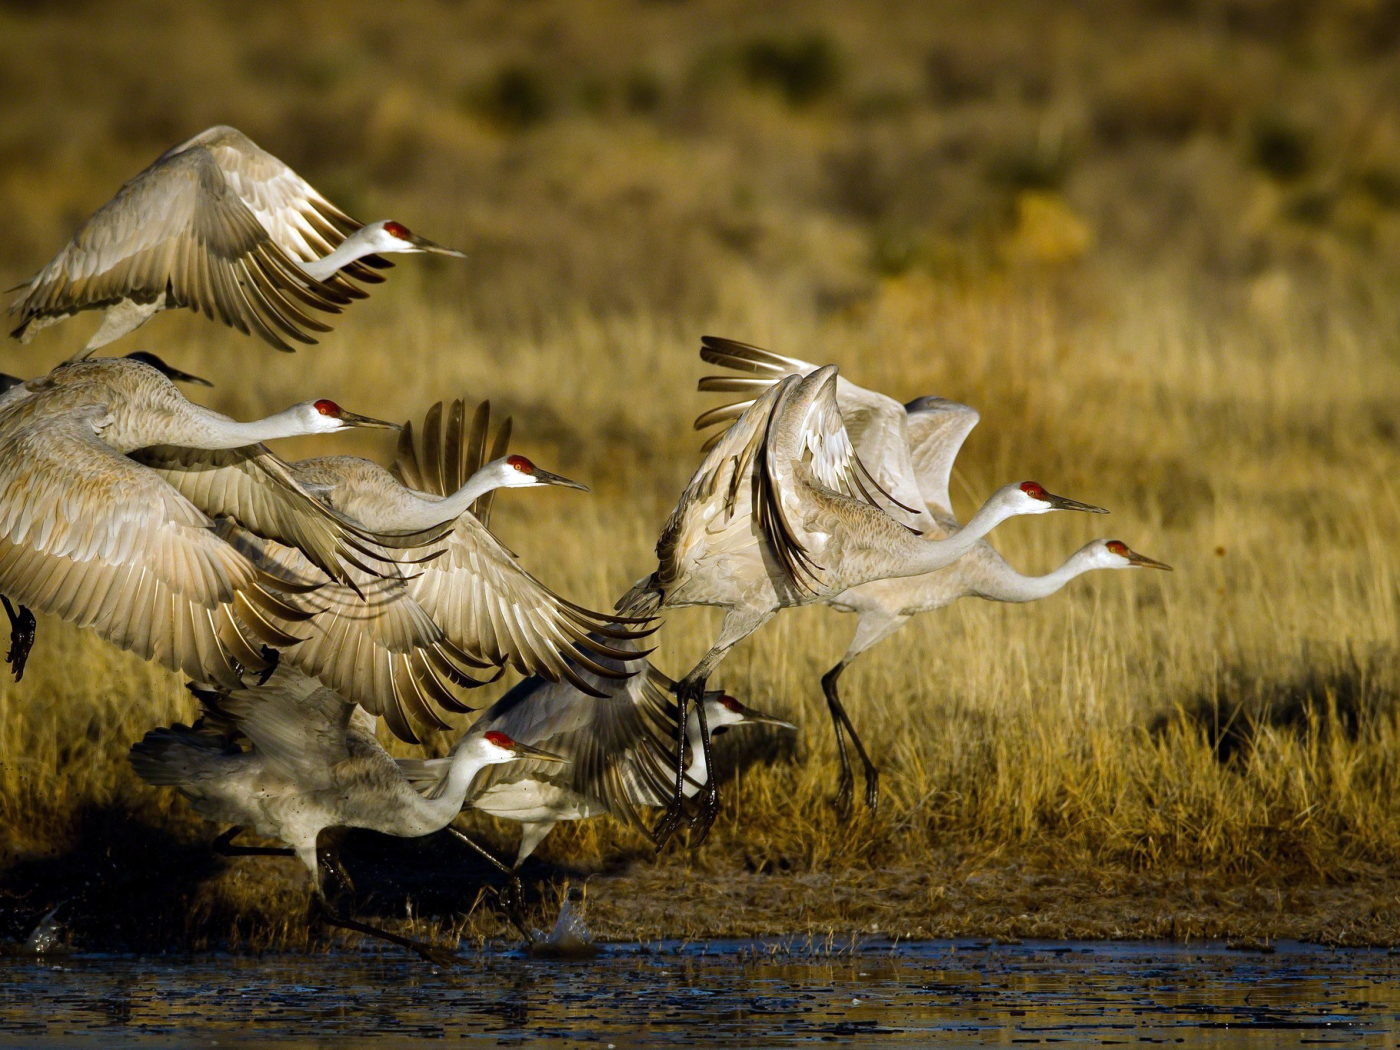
x=781 y=513
x=312 y=763
x=218 y=225
x=910 y=449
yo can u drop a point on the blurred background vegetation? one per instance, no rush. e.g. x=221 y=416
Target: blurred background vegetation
x=1155 y=242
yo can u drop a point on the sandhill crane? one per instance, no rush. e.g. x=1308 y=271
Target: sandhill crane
x=221 y=226
x=779 y=514
x=620 y=747
x=312 y=764
x=910 y=449
x=398 y=645
x=89 y=533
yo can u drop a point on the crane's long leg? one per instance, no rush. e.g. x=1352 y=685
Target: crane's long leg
x=739 y=623
x=22 y=628
x=430 y=952
x=224 y=847
x=839 y=716
x=845 y=788
x=513 y=901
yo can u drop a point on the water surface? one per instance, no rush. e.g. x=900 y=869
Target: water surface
x=717 y=994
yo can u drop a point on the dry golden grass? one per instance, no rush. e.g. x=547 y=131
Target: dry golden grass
x=1158 y=256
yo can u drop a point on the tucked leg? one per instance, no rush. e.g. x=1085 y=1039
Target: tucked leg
x=22 y=627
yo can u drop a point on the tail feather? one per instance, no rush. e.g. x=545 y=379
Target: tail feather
x=644 y=599
x=177 y=756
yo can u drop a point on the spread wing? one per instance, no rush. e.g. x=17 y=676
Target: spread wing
x=300 y=727
x=303 y=223
x=874 y=422
x=177 y=229
x=373 y=644
x=443 y=455
x=937 y=430
x=620 y=746
x=103 y=542
x=257 y=489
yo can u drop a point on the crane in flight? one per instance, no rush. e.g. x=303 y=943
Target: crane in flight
x=910 y=449
x=291 y=759
x=399 y=644
x=91 y=533
x=220 y=226
x=781 y=513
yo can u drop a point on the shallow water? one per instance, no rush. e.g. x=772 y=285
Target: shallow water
x=718 y=994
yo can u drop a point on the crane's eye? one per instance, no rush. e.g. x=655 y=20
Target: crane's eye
x=498 y=738
x=521 y=464
x=394 y=229
x=327 y=408
x=1033 y=490
x=1117 y=547
x=730 y=704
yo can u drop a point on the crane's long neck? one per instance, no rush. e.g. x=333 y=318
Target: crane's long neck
x=356 y=246
x=447 y=799
x=1004 y=584
x=195 y=426
x=426 y=512
x=922 y=555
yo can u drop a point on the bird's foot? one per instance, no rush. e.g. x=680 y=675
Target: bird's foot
x=669 y=823
x=512 y=901
x=845 y=795
x=273 y=658
x=872 y=789
x=22 y=628
x=433 y=954
x=706 y=814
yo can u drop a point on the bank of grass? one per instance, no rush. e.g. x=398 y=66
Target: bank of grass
x=1144 y=310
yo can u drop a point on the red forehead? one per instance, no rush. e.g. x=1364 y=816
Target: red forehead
x=498 y=738
x=1117 y=546
x=396 y=229
x=1032 y=489
x=520 y=463
x=327 y=408
x=730 y=703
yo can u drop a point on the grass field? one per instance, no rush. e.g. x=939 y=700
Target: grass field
x=1155 y=244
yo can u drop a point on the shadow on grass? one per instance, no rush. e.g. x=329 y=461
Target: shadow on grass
x=1335 y=695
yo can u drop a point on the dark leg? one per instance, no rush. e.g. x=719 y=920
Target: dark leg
x=430 y=952
x=513 y=899
x=273 y=657
x=704 y=819
x=686 y=692
x=21 y=637
x=845 y=787
x=224 y=847
x=328 y=858
x=840 y=718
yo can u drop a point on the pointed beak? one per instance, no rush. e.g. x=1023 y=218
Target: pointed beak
x=354 y=419
x=1064 y=503
x=544 y=477
x=1144 y=562
x=767 y=720
x=425 y=245
x=537 y=754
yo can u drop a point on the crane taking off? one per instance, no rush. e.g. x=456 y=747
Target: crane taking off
x=222 y=227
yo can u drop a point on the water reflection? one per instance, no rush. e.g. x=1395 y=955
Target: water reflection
x=718 y=994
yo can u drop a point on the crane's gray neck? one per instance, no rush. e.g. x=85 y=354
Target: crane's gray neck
x=212 y=430
x=356 y=246
x=427 y=511
x=1008 y=585
x=451 y=793
x=930 y=555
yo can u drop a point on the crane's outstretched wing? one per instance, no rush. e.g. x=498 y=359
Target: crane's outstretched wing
x=178 y=230
x=621 y=746
x=103 y=542
x=302 y=222
x=805 y=428
x=937 y=429
x=446 y=454
x=300 y=727
x=875 y=422
x=257 y=489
